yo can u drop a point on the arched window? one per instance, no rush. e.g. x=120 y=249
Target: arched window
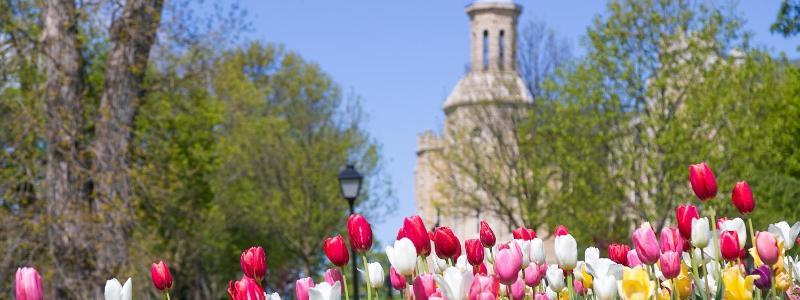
x=502 y=48
x=485 y=49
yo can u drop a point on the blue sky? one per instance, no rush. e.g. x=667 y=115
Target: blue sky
x=403 y=58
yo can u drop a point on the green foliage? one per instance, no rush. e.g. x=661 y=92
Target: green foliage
x=788 y=21
x=664 y=84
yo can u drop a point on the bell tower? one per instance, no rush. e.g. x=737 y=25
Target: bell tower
x=494 y=35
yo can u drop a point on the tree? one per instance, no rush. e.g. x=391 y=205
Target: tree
x=663 y=85
x=787 y=22
x=541 y=54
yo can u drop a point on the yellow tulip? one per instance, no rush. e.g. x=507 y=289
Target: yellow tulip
x=564 y=295
x=587 y=279
x=635 y=284
x=684 y=282
x=663 y=294
x=737 y=286
x=782 y=281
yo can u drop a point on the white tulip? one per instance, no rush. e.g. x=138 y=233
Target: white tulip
x=375 y=275
x=577 y=273
x=566 y=249
x=538 y=254
x=604 y=267
x=591 y=255
x=115 y=291
x=555 y=278
x=551 y=294
x=325 y=291
x=403 y=256
x=712 y=285
x=455 y=283
x=794 y=265
x=463 y=264
x=436 y=264
x=273 y=296
x=785 y=233
x=713 y=268
x=738 y=226
x=700 y=232
x=605 y=287
x=525 y=247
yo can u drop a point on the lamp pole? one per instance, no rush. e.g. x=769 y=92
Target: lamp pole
x=350 y=185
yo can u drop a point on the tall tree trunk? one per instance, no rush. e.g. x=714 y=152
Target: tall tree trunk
x=65 y=174
x=132 y=35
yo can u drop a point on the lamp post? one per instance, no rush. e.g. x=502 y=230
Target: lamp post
x=350 y=186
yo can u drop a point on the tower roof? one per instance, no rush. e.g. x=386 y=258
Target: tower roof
x=488 y=87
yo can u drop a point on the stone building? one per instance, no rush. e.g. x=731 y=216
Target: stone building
x=478 y=115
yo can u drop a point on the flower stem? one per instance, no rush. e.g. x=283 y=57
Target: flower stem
x=167 y=294
x=344 y=284
x=715 y=238
x=570 y=289
x=705 y=278
x=366 y=274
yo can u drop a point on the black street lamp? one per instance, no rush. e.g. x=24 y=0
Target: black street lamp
x=350 y=186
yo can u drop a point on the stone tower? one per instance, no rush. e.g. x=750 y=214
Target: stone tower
x=483 y=101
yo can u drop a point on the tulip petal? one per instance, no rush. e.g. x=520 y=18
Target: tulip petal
x=127 y=290
x=113 y=289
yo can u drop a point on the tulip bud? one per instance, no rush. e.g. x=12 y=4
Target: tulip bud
x=115 y=291
x=254 y=263
x=487 y=235
x=398 y=280
x=446 y=242
x=605 y=287
x=534 y=274
x=670 y=264
x=403 y=256
x=245 y=289
x=742 y=197
x=414 y=230
x=704 y=184
x=522 y=233
x=671 y=240
x=332 y=276
x=555 y=278
x=301 y=287
x=474 y=251
x=633 y=259
x=737 y=225
x=336 y=251
x=561 y=230
x=508 y=263
x=360 y=233
x=729 y=245
x=28 y=284
x=701 y=234
x=375 y=279
x=566 y=249
x=646 y=244
x=518 y=290
x=538 y=254
x=618 y=253
x=767 y=248
x=159 y=274
x=684 y=214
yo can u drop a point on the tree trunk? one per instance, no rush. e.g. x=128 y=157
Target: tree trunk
x=65 y=173
x=132 y=35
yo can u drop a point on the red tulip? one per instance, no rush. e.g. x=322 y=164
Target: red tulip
x=729 y=245
x=458 y=253
x=414 y=230
x=742 y=197
x=159 y=273
x=254 y=263
x=487 y=235
x=400 y=234
x=446 y=242
x=619 y=253
x=685 y=214
x=671 y=240
x=245 y=289
x=360 y=233
x=561 y=230
x=480 y=270
x=522 y=233
x=474 y=252
x=703 y=182
x=670 y=264
x=398 y=281
x=336 y=251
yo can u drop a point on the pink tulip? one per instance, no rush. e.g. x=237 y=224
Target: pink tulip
x=704 y=184
x=541 y=296
x=398 y=281
x=671 y=240
x=767 y=248
x=534 y=274
x=670 y=264
x=646 y=244
x=28 y=284
x=508 y=263
x=333 y=275
x=424 y=286
x=437 y=295
x=254 y=263
x=518 y=290
x=580 y=289
x=484 y=287
x=633 y=259
x=301 y=287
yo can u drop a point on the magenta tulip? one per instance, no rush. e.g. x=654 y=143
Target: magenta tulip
x=160 y=275
x=742 y=197
x=670 y=264
x=671 y=240
x=446 y=242
x=561 y=230
x=522 y=233
x=518 y=290
x=254 y=263
x=28 y=284
x=633 y=259
x=729 y=245
x=332 y=276
x=414 y=230
x=474 y=251
x=619 y=253
x=685 y=214
x=245 y=289
x=424 y=286
x=534 y=274
x=487 y=235
x=360 y=233
x=398 y=281
x=336 y=250
x=646 y=244
x=301 y=287
x=484 y=287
